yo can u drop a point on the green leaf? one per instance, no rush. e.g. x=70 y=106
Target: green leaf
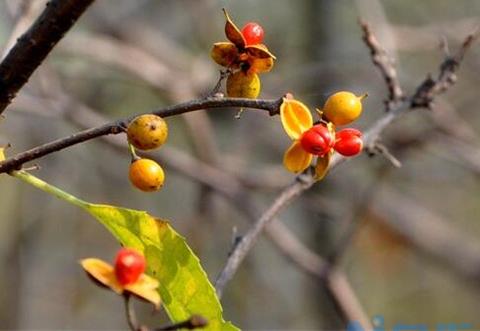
x=184 y=286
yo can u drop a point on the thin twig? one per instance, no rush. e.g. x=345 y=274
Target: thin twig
x=130 y=313
x=12 y=163
x=385 y=64
x=446 y=77
x=246 y=243
x=34 y=45
x=194 y=322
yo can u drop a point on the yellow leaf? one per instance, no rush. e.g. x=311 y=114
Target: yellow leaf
x=321 y=168
x=225 y=54
x=296 y=159
x=295 y=117
x=232 y=32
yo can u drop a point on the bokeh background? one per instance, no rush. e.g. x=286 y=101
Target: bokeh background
x=414 y=256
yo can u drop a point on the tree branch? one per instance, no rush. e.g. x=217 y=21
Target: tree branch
x=384 y=63
x=34 y=45
x=423 y=96
x=15 y=162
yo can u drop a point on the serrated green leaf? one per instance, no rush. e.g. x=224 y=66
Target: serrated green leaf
x=184 y=286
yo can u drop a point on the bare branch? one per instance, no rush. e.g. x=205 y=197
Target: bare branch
x=118 y=126
x=234 y=189
x=130 y=313
x=247 y=241
x=385 y=64
x=291 y=192
x=430 y=87
x=431 y=234
x=34 y=45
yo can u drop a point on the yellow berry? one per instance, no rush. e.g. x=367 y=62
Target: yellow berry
x=146 y=175
x=147 y=132
x=343 y=107
x=243 y=85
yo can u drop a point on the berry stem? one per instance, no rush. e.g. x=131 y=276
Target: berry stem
x=44 y=186
x=130 y=313
x=363 y=96
x=133 y=153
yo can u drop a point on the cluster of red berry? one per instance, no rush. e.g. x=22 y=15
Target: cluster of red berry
x=340 y=108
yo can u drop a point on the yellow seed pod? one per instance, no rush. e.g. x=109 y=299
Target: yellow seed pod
x=147 y=132
x=343 y=107
x=146 y=175
x=243 y=85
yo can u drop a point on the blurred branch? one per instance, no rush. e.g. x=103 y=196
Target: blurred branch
x=430 y=87
x=429 y=232
x=423 y=96
x=234 y=189
x=25 y=15
x=118 y=126
x=385 y=64
x=130 y=313
x=425 y=37
x=35 y=44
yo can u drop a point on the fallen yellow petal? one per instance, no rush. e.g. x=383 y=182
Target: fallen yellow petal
x=296 y=159
x=295 y=117
x=102 y=272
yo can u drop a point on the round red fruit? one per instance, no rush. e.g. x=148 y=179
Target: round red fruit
x=317 y=140
x=129 y=265
x=348 y=142
x=253 y=33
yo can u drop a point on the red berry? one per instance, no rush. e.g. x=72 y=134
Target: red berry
x=129 y=265
x=253 y=33
x=317 y=140
x=348 y=142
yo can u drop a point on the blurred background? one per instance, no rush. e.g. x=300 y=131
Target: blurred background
x=407 y=239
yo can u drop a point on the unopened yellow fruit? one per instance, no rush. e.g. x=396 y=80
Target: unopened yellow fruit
x=243 y=85
x=146 y=175
x=147 y=132
x=343 y=107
